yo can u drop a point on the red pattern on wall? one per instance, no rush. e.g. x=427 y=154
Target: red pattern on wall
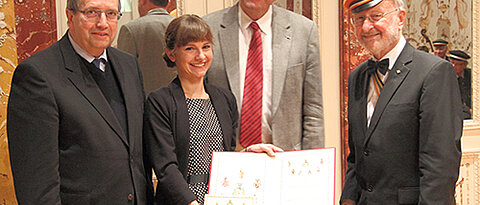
x=36 y=26
x=352 y=54
x=306 y=7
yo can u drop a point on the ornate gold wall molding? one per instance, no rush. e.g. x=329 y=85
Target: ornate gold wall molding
x=8 y=62
x=468 y=184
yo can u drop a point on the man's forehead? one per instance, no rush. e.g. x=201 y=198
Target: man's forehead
x=113 y=4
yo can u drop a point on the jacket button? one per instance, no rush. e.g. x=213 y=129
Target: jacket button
x=366 y=152
x=370 y=188
x=130 y=197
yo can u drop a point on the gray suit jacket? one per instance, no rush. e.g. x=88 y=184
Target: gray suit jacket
x=66 y=144
x=410 y=153
x=297 y=110
x=144 y=38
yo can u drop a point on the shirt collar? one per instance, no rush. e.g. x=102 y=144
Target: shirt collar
x=265 y=22
x=83 y=53
x=157 y=11
x=393 y=54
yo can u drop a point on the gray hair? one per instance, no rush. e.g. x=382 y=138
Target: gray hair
x=400 y=4
x=74 y=5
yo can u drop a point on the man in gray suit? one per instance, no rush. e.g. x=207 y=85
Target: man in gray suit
x=404 y=115
x=291 y=108
x=144 y=38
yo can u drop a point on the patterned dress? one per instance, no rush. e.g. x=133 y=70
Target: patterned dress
x=205 y=137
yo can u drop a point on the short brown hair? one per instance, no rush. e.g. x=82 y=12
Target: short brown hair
x=185 y=29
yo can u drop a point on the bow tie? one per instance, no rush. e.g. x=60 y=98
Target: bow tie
x=382 y=65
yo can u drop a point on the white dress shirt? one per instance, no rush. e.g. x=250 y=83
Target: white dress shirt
x=244 y=37
x=85 y=55
x=392 y=56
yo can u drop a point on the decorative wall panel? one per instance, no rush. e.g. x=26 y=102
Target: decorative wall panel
x=36 y=26
x=450 y=20
x=468 y=184
x=8 y=61
x=26 y=27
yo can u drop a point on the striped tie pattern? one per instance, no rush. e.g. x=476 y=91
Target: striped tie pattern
x=251 y=114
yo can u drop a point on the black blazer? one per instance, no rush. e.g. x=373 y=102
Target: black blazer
x=66 y=145
x=167 y=137
x=410 y=153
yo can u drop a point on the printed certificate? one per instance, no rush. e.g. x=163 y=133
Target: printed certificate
x=291 y=178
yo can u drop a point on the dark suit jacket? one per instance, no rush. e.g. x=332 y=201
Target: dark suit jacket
x=66 y=145
x=167 y=135
x=410 y=153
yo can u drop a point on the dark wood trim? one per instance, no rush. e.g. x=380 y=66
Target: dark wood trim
x=307 y=8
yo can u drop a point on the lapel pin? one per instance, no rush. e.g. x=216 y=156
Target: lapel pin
x=398 y=71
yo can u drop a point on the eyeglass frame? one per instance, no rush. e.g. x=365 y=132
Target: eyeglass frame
x=99 y=13
x=370 y=18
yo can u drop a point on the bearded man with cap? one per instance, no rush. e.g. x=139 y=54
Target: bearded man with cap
x=459 y=60
x=440 y=48
x=404 y=115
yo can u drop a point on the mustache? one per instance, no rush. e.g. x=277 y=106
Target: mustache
x=370 y=33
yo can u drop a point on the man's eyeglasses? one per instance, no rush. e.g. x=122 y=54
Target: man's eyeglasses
x=95 y=14
x=374 y=18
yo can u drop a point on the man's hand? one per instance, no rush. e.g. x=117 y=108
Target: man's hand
x=348 y=202
x=270 y=149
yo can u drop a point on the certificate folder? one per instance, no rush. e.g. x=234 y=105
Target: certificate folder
x=290 y=178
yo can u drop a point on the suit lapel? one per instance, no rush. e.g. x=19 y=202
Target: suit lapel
x=182 y=127
x=395 y=78
x=114 y=61
x=228 y=39
x=87 y=86
x=281 y=43
x=220 y=107
x=362 y=103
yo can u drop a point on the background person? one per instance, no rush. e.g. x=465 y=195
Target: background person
x=440 y=48
x=144 y=38
x=459 y=60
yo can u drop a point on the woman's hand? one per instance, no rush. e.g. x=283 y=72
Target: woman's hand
x=194 y=203
x=270 y=149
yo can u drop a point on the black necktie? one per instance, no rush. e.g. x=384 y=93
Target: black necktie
x=382 y=65
x=97 y=61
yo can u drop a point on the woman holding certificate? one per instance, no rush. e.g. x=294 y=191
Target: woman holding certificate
x=189 y=119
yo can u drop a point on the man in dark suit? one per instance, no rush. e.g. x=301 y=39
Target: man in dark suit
x=404 y=116
x=145 y=38
x=459 y=60
x=74 y=117
x=290 y=101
